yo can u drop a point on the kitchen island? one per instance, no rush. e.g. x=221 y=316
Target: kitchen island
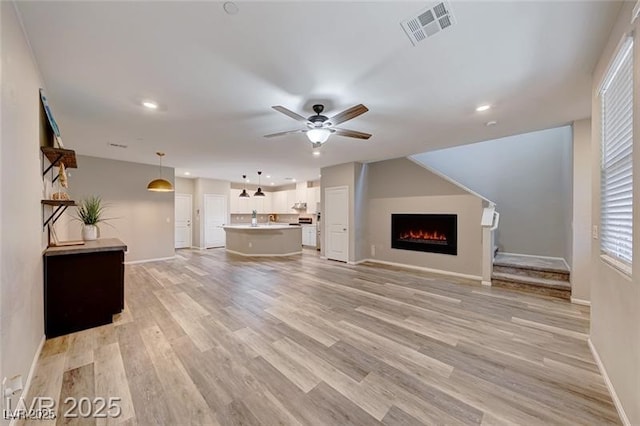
x=263 y=240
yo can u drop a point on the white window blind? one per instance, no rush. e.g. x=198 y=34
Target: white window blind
x=616 y=223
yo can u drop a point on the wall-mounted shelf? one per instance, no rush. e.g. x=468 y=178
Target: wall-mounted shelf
x=60 y=207
x=57 y=156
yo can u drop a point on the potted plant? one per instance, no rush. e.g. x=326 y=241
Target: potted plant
x=90 y=213
x=254 y=218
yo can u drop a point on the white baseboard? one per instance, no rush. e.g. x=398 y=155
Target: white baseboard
x=135 y=262
x=541 y=257
x=486 y=283
x=32 y=371
x=607 y=381
x=580 y=301
x=264 y=255
x=425 y=269
x=357 y=262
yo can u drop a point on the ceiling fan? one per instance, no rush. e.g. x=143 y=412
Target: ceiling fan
x=320 y=127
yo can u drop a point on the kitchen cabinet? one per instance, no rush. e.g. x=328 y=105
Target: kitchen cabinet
x=261 y=204
x=313 y=198
x=309 y=235
x=292 y=198
x=238 y=204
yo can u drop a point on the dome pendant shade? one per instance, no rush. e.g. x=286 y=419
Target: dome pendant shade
x=160 y=184
x=259 y=192
x=244 y=193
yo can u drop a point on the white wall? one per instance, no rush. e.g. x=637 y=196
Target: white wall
x=528 y=176
x=142 y=219
x=21 y=242
x=615 y=298
x=581 y=222
x=401 y=186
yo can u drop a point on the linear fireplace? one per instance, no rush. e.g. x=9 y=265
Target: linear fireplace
x=434 y=233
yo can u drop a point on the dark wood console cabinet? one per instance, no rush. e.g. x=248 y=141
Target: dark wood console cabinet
x=83 y=285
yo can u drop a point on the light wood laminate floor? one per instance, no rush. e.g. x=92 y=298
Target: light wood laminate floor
x=213 y=338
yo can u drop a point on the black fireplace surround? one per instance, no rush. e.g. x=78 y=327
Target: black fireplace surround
x=434 y=233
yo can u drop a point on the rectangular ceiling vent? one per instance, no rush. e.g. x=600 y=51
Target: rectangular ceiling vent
x=428 y=22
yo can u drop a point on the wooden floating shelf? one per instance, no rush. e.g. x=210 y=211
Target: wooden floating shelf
x=56 y=155
x=59 y=202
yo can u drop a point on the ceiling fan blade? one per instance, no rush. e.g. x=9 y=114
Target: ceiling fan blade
x=290 y=113
x=348 y=114
x=284 y=133
x=352 y=134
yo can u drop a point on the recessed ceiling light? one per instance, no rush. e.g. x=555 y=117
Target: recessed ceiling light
x=490 y=123
x=272 y=183
x=316 y=153
x=231 y=8
x=268 y=176
x=150 y=104
x=483 y=108
x=248 y=181
x=187 y=174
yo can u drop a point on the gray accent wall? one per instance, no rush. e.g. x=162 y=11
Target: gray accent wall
x=142 y=219
x=615 y=297
x=401 y=186
x=21 y=237
x=529 y=177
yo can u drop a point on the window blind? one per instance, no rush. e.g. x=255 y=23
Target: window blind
x=616 y=220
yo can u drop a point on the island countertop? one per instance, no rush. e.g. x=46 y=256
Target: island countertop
x=104 y=244
x=261 y=227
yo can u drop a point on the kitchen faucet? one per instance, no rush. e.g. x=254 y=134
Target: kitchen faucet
x=272 y=218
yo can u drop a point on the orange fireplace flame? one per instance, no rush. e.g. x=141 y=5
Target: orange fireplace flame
x=423 y=235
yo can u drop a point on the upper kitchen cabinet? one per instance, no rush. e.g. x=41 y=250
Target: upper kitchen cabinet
x=262 y=205
x=313 y=198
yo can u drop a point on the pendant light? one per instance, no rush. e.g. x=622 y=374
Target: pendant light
x=259 y=192
x=160 y=185
x=244 y=193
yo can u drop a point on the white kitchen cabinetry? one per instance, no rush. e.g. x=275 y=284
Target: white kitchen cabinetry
x=279 y=204
x=292 y=198
x=261 y=204
x=238 y=204
x=309 y=235
x=313 y=198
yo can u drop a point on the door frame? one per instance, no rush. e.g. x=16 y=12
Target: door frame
x=325 y=222
x=190 y=196
x=204 y=216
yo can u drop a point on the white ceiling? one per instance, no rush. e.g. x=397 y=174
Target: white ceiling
x=216 y=77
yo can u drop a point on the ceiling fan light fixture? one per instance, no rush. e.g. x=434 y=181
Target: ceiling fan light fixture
x=318 y=135
x=160 y=184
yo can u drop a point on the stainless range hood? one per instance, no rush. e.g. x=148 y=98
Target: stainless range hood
x=299 y=206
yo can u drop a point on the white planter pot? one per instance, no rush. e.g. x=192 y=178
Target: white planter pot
x=254 y=221
x=89 y=232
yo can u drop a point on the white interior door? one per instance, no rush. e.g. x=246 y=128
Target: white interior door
x=336 y=222
x=183 y=205
x=215 y=215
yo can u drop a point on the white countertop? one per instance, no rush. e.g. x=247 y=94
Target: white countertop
x=261 y=226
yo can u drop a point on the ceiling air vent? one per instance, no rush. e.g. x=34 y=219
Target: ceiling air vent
x=428 y=22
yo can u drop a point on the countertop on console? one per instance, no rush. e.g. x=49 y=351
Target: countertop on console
x=104 y=244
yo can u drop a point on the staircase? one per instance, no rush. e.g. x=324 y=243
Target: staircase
x=530 y=274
